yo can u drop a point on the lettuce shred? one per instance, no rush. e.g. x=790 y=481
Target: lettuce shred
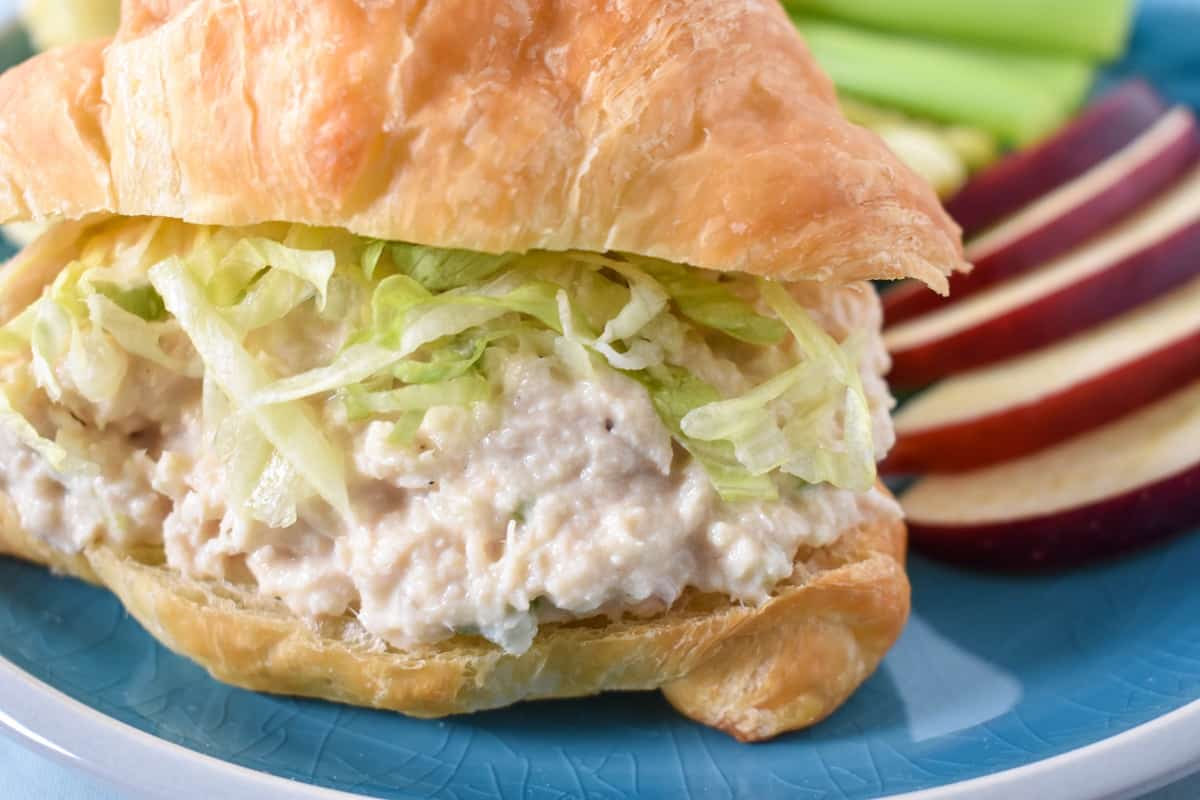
x=417 y=325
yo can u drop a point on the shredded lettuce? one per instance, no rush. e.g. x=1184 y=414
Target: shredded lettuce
x=420 y=327
x=238 y=444
x=87 y=326
x=810 y=421
x=404 y=429
x=361 y=403
x=53 y=331
x=706 y=302
x=95 y=364
x=135 y=335
x=289 y=427
x=141 y=301
x=354 y=365
x=390 y=304
x=677 y=393
x=370 y=258
x=640 y=353
x=453 y=359
x=437 y=269
x=406 y=318
x=57 y=457
x=270 y=299
x=257 y=482
x=647 y=299
x=277 y=495
x=49 y=340
x=248 y=259
x=449 y=313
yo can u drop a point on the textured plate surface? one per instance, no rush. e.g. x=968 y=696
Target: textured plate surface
x=993 y=674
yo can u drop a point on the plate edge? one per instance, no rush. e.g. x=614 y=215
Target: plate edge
x=68 y=726
x=1140 y=766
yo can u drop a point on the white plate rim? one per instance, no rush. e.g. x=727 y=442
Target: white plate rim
x=38 y=716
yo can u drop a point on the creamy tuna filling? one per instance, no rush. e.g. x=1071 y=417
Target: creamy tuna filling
x=564 y=494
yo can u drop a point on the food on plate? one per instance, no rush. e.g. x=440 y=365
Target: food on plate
x=1101 y=131
x=1142 y=257
x=1018 y=96
x=1126 y=484
x=489 y=354
x=53 y=23
x=1067 y=216
x=1036 y=400
x=1057 y=428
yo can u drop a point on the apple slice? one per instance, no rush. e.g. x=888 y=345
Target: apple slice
x=1126 y=484
x=1103 y=128
x=1033 y=401
x=1148 y=254
x=1067 y=216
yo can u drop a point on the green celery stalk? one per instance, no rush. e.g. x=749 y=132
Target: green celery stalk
x=1094 y=29
x=1018 y=97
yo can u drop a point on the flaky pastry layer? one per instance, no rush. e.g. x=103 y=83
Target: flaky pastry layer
x=701 y=132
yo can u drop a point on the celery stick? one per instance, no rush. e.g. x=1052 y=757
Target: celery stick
x=1017 y=97
x=1091 y=28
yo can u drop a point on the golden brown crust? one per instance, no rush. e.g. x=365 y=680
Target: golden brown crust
x=701 y=132
x=753 y=672
x=53 y=156
x=789 y=666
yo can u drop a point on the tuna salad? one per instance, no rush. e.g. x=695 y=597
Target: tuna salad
x=434 y=441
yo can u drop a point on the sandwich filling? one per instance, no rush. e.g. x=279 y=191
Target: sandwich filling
x=434 y=441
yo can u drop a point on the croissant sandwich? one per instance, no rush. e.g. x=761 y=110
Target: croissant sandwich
x=436 y=356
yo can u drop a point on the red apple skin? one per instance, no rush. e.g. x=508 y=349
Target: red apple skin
x=1106 y=126
x=1140 y=277
x=1054 y=238
x=1016 y=432
x=1114 y=525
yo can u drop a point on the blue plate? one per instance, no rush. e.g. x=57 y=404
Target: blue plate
x=992 y=674
x=1079 y=685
